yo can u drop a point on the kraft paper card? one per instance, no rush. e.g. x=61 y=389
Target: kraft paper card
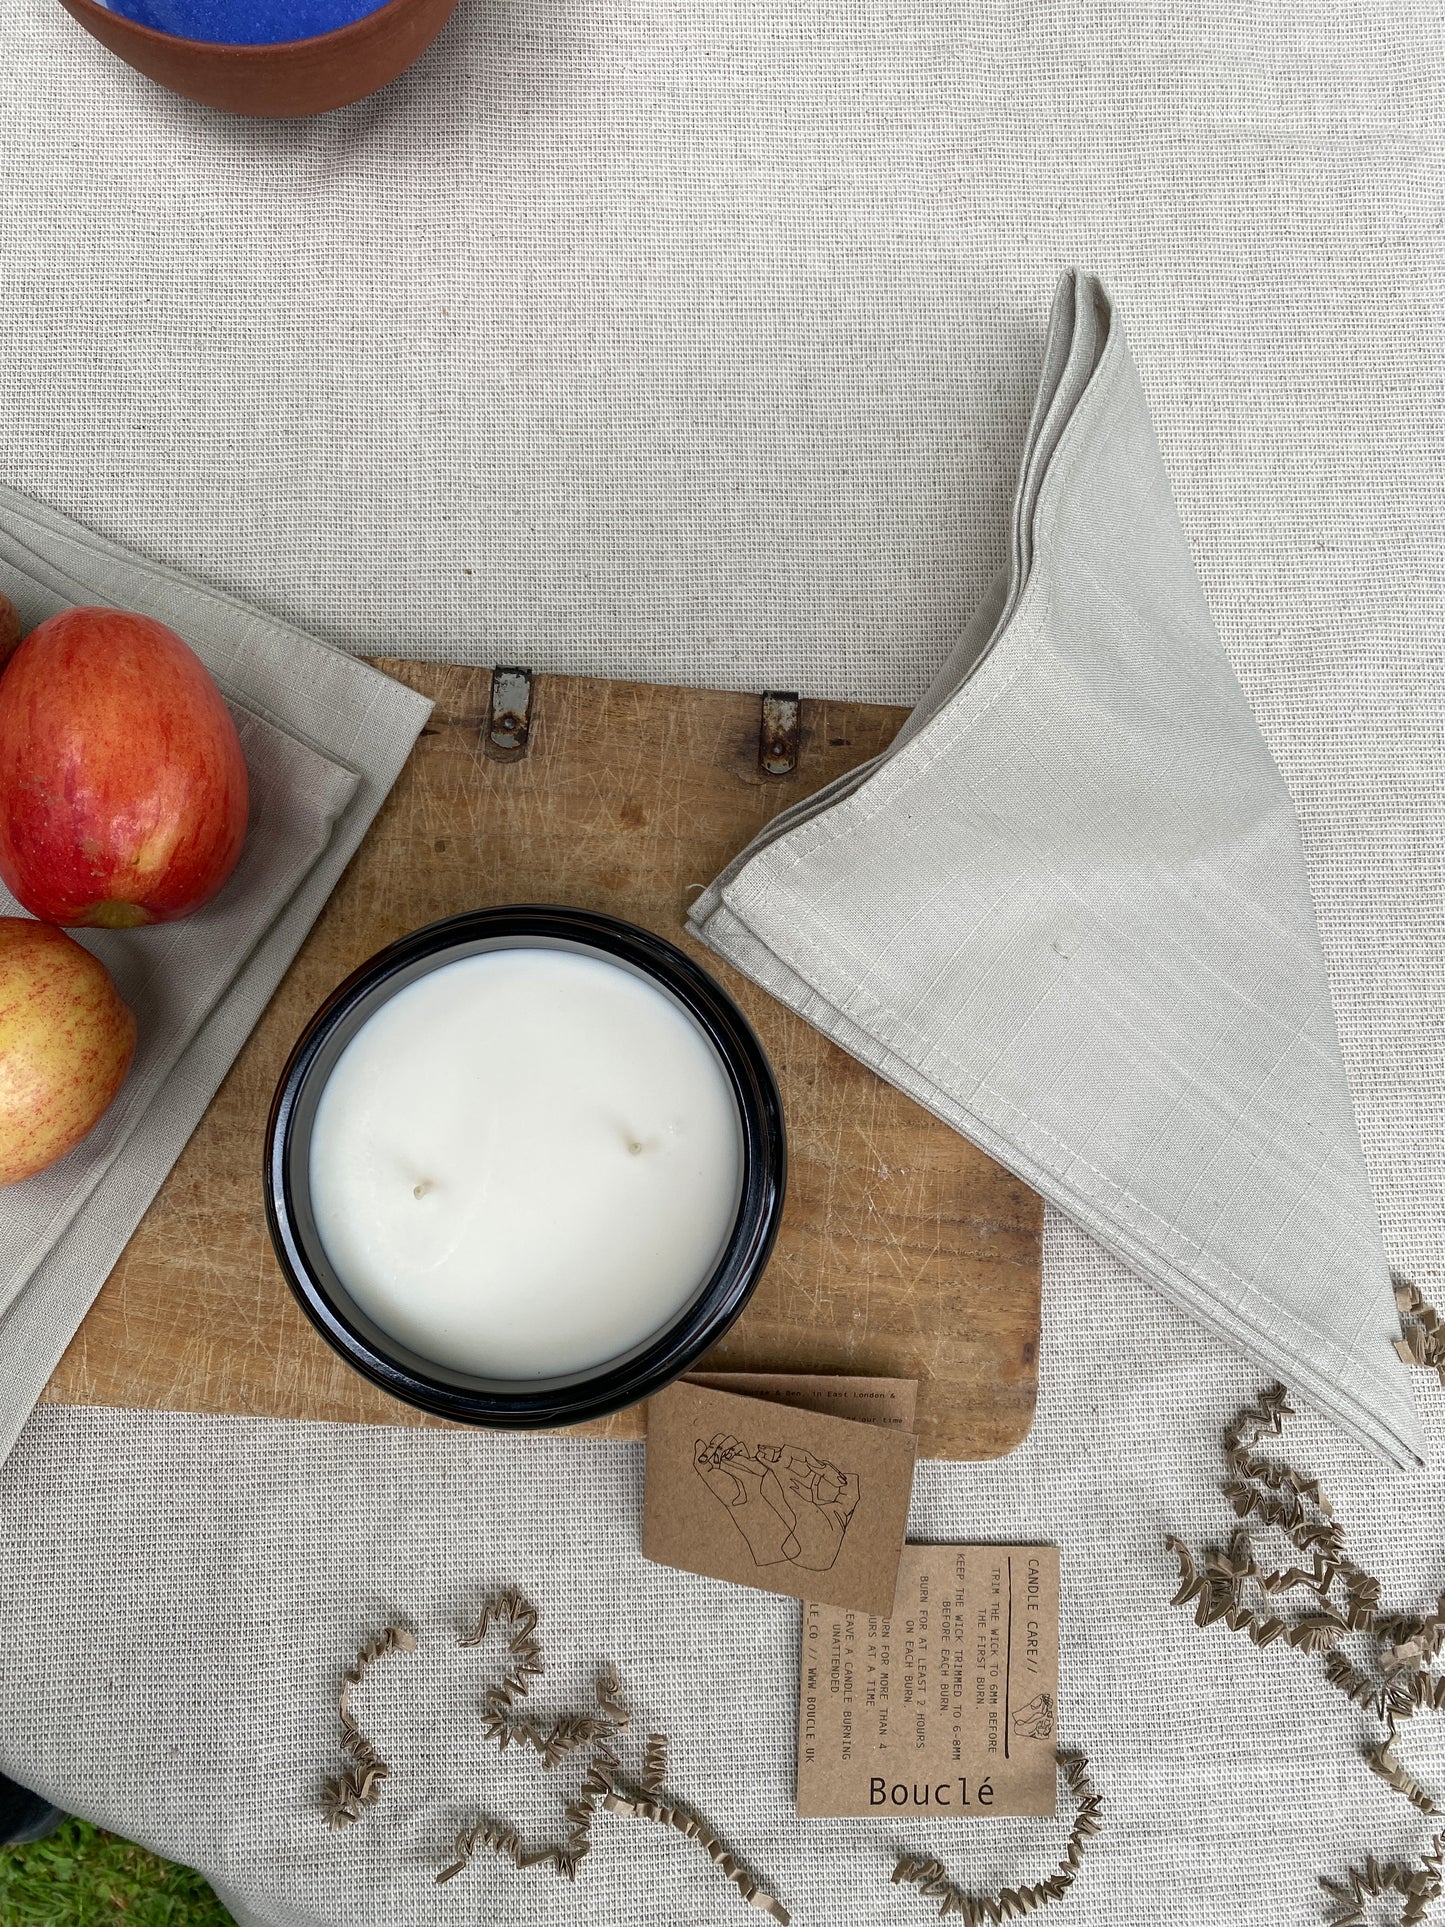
x=773 y=1496
x=891 y=1402
x=946 y=1710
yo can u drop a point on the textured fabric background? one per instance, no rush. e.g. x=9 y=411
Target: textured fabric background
x=188 y=1591
x=704 y=337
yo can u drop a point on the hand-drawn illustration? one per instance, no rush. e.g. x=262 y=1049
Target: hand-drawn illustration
x=787 y=1504
x=1035 y=1721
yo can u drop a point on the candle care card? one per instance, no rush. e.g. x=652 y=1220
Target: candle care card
x=890 y=1402
x=948 y=1709
x=776 y=1496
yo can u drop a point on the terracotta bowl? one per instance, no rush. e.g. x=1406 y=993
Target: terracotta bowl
x=288 y=79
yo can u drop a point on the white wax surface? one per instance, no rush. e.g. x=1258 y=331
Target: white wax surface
x=526 y=1163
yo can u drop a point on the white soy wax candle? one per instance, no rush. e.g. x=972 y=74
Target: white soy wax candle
x=526 y=1163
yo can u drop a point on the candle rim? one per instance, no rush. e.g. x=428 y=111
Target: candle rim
x=721 y=1297
x=569 y=1050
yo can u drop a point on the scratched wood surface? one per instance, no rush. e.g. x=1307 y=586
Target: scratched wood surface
x=903 y=1249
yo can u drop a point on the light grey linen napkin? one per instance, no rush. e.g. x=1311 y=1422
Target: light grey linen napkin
x=325 y=738
x=1068 y=912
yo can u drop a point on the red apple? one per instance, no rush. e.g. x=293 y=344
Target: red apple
x=123 y=793
x=9 y=629
x=66 y=1041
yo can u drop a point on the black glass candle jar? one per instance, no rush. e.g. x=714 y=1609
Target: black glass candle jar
x=568 y=1398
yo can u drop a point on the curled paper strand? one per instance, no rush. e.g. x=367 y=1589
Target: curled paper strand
x=507 y=1724
x=512 y=1612
x=667 y=1814
x=1419 y=1884
x=654 y=1763
x=504 y=1840
x=1380 y=1759
x=1398 y=1679
x=346 y=1798
x=514 y=1615
x=610 y=1702
x=1423 y=1342
x=1012 y=1903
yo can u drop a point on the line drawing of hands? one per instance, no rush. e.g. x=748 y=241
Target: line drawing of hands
x=751 y=1494
x=787 y=1504
x=821 y=1499
x=1035 y=1720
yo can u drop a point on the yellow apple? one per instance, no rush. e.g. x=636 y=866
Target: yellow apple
x=66 y=1043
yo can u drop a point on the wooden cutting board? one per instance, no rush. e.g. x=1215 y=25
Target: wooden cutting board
x=903 y=1249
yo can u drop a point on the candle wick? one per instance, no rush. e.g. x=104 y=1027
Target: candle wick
x=420 y=1190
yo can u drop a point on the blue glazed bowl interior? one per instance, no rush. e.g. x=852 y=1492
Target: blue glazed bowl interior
x=245 y=23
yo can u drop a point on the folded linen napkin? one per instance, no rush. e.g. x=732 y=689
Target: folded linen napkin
x=1068 y=912
x=325 y=738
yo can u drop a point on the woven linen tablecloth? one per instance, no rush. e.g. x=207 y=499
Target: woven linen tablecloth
x=696 y=343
